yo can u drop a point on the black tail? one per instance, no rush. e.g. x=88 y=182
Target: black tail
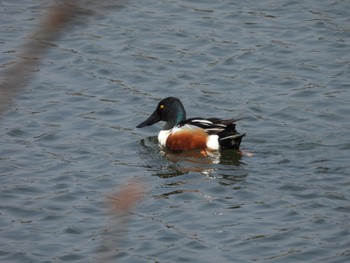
x=230 y=138
x=231 y=142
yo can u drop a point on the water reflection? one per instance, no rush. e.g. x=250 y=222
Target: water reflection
x=230 y=179
x=170 y=164
x=175 y=192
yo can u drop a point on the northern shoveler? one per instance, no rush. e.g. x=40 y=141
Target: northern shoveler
x=181 y=134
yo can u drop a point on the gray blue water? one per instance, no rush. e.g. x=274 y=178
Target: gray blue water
x=69 y=139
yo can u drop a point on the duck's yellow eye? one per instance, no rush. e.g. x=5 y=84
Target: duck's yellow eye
x=161 y=106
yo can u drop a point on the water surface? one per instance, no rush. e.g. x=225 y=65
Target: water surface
x=69 y=139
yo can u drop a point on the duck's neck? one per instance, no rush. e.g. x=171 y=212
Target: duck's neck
x=175 y=118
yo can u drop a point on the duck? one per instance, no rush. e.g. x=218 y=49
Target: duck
x=182 y=134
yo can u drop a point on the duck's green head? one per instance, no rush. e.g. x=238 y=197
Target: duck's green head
x=169 y=110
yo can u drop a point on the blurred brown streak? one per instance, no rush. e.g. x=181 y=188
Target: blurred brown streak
x=57 y=16
x=127 y=197
x=15 y=77
x=122 y=202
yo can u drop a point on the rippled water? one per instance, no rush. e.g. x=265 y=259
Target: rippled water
x=69 y=139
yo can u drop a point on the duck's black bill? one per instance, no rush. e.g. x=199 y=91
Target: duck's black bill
x=154 y=118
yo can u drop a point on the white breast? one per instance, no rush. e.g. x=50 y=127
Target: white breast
x=163 y=136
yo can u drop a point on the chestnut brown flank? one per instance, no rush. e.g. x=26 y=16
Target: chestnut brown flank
x=188 y=139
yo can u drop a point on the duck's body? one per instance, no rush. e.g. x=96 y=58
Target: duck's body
x=181 y=134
